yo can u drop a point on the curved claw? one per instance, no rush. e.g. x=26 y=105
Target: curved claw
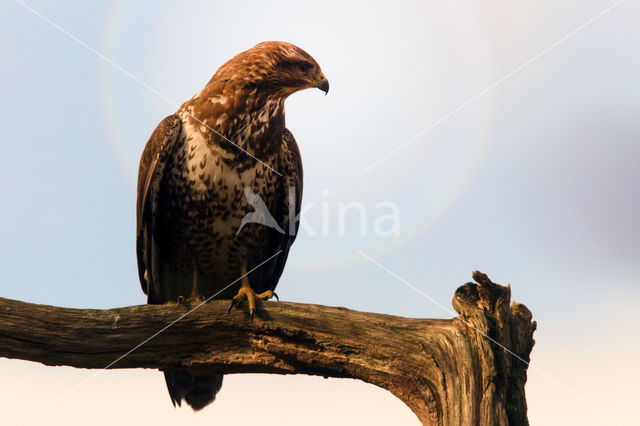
x=276 y=296
x=252 y=312
x=234 y=302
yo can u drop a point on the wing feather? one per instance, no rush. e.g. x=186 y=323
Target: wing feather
x=153 y=165
x=290 y=197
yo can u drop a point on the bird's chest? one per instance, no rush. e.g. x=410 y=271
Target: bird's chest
x=208 y=196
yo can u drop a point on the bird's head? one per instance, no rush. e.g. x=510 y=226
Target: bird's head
x=275 y=67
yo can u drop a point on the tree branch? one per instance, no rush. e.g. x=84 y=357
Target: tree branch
x=468 y=370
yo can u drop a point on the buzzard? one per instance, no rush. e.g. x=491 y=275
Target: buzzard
x=196 y=171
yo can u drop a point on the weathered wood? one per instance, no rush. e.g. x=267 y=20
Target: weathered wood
x=449 y=372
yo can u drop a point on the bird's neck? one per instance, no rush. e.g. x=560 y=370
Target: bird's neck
x=233 y=117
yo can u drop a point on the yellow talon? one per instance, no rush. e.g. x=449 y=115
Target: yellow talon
x=266 y=295
x=246 y=293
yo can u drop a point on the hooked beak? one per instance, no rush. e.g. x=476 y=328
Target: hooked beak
x=323 y=84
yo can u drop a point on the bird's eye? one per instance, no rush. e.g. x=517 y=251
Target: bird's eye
x=304 y=66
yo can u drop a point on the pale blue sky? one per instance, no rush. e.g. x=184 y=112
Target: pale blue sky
x=535 y=182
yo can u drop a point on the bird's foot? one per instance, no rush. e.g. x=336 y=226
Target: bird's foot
x=247 y=293
x=187 y=302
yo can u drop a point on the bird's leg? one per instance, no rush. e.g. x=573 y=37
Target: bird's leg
x=246 y=293
x=195 y=292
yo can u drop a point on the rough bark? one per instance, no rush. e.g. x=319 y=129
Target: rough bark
x=469 y=370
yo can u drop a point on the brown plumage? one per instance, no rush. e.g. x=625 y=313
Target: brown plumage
x=194 y=175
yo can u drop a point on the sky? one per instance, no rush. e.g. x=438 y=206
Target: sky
x=503 y=135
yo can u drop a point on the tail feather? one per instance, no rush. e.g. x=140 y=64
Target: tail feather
x=198 y=391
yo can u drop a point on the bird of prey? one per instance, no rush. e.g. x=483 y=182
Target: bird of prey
x=196 y=172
